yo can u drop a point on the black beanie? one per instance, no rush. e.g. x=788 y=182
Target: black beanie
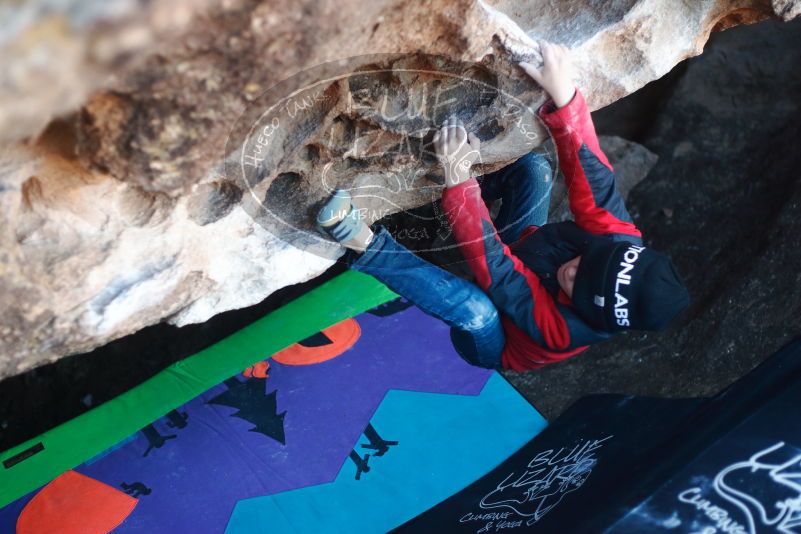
x=620 y=285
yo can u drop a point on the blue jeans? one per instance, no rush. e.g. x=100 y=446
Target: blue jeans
x=525 y=190
x=476 y=331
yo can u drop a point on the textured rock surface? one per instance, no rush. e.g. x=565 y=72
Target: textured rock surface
x=54 y=53
x=124 y=213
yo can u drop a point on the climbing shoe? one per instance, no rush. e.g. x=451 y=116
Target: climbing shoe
x=341 y=221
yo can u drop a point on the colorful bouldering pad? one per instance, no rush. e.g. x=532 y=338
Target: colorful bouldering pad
x=377 y=426
x=39 y=460
x=442 y=442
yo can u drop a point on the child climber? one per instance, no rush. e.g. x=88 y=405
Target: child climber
x=544 y=291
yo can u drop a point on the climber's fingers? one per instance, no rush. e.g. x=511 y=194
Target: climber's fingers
x=450 y=123
x=461 y=133
x=532 y=71
x=475 y=142
x=451 y=135
x=547 y=50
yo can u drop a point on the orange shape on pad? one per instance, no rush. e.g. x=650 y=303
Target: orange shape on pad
x=258 y=370
x=75 y=503
x=340 y=337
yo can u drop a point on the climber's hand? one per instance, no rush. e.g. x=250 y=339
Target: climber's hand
x=556 y=75
x=457 y=151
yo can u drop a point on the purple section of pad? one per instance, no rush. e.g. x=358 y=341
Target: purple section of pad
x=195 y=479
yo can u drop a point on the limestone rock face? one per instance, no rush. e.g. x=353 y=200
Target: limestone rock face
x=56 y=53
x=161 y=160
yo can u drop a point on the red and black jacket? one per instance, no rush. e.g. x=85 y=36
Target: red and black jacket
x=540 y=324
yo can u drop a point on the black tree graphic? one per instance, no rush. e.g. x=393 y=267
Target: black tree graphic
x=136 y=489
x=255 y=406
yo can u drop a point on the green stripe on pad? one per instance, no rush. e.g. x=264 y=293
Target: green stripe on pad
x=28 y=466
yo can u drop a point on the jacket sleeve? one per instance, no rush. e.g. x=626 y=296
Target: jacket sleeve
x=514 y=289
x=596 y=205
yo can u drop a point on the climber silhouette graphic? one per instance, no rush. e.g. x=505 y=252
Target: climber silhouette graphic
x=361 y=463
x=136 y=489
x=177 y=419
x=377 y=444
x=155 y=439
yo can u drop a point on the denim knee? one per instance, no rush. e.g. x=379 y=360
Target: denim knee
x=479 y=339
x=535 y=167
x=482 y=314
x=476 y=351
